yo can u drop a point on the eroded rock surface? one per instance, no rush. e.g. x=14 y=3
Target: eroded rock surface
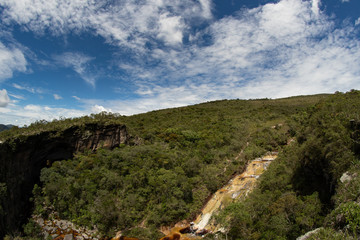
x=237 y=188
x=22 y=159
x=64 y=230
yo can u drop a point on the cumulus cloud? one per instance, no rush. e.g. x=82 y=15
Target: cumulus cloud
x=11 y=59
x=4 y=98
x=97 y=109
x=79 y=62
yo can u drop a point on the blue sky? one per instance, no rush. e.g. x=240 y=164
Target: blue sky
x=68 y=58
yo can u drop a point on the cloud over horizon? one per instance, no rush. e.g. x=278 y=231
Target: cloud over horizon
x=173 y=53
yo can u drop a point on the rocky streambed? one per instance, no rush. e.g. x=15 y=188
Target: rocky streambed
x=236 y=189
x=58 y=229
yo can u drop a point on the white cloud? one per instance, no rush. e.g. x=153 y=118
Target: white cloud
x=97 y=109
x=18 y=115
x=206 y=8
x=17 y=96
x=171 y=29
x=4 y=98
x=345 y=1
x=57 y=97
x=33 y=108
x=11 y=59
x=27 y=88
x=315 y=6
x=357 y=22
x=76 y=98
x=275 y=50
x=129 y=23
x=15 y=114
x=79 y=63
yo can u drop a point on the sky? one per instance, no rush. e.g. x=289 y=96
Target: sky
x=69 y=58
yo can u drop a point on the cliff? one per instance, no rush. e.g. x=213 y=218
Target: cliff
x=22 y=159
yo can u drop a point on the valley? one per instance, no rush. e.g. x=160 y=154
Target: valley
x=181 y=172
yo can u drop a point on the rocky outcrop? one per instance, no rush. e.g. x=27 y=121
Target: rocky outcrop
x=22 y=159
x=56 y=228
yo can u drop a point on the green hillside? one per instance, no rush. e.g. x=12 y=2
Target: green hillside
x=5 y=127
x=177 y=157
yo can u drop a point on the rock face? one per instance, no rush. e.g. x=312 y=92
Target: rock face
x=64 y=230
x=22 y=160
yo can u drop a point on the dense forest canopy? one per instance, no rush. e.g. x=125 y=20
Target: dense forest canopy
x=177 y=158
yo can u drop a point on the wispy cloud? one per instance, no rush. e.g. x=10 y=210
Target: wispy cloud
x=79 y=62
x=126 y=23
x=4 y=98
x=17 y=96
x=57 y=97
x=76 y=98
x=27 y=88
x=11 y=59
x=276 y=50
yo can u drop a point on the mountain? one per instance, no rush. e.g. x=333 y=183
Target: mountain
x=5 y=127
x=140 y=175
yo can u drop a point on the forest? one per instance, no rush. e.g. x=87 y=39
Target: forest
x=176 y=158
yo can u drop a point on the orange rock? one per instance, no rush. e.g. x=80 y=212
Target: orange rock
x=174 y=236
x=127 y=238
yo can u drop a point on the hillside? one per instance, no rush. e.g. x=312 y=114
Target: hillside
x=174 y=159
x=4 y=127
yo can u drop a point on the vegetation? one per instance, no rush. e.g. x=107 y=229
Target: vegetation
x=183 y=155
x=301 y=190
x=5 y=127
